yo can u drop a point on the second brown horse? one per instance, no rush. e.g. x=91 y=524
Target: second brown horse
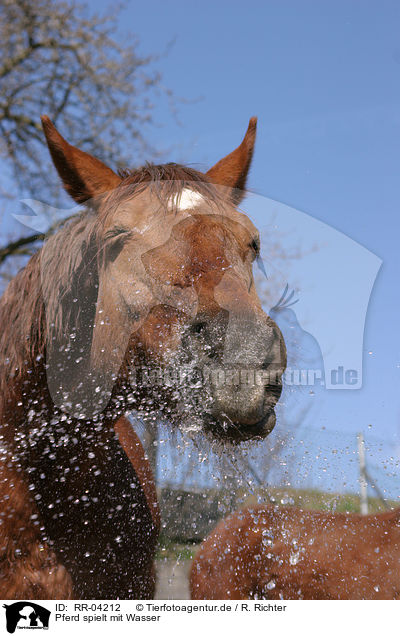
x=269 y=552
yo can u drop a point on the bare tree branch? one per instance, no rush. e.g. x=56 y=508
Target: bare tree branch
x=14 y=247
x=57 y=58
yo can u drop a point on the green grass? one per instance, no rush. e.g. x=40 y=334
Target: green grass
x=168 y=549
x=318 y=500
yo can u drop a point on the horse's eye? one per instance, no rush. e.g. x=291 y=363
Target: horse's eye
x=114 y=243
x=255 y=246
x=113 y=249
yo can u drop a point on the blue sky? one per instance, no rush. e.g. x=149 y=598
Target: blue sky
x=324 y=80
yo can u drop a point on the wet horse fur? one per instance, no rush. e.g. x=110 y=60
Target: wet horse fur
x=126 y=282
x=271 y=552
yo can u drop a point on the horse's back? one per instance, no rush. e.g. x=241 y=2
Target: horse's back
x=271 y=552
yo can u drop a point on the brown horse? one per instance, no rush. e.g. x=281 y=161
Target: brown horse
x=154 y=277
x=269 y=552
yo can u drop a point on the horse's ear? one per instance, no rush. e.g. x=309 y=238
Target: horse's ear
x=84 y=177
x=232 y=170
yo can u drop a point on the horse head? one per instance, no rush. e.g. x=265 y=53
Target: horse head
x=166 y=302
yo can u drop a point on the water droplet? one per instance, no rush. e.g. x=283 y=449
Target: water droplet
x=294 y=558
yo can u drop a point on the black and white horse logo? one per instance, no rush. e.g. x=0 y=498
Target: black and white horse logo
x=26 y=615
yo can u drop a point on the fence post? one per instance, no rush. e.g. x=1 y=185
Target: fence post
x=363 y=475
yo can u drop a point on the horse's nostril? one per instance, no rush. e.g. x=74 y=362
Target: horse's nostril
x=205 y=336
x=212 y=354
x=198 y=327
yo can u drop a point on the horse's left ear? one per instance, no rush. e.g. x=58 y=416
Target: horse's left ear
x=85 y=178
x=232 y=170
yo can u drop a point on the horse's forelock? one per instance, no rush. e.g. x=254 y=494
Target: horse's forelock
x=165 y=182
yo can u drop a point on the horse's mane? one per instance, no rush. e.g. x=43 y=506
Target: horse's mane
x=20 y=332
x=43 y=295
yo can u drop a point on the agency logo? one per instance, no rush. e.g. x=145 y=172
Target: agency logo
x=26 y=615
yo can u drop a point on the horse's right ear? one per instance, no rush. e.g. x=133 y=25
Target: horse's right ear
x=84 y=177
x=232 y=170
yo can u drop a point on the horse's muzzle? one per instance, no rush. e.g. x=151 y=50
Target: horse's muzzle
x=243 y=402
x=226 y=430
x=242 y=360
